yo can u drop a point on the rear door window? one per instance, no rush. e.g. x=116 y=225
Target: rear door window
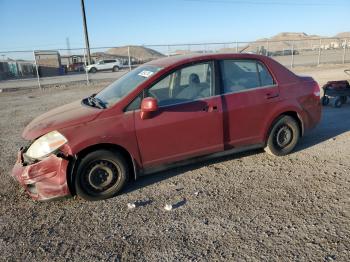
x=241 y=75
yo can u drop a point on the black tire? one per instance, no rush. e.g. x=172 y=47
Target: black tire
x=343 y=99
x=100 y=175
x=337 y=102
x=283 y=137
x=115 y=69
x=93 y=70
x=325 y=100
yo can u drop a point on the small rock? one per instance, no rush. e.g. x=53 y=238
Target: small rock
x=168 y=207
x=131 y=205
x=330 y=258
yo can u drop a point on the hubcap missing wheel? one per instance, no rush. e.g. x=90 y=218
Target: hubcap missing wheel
x=100 y=176
x=284 y=136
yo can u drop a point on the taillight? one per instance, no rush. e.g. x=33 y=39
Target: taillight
x=316 y=90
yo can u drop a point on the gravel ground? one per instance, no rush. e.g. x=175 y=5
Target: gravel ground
x=248 y=206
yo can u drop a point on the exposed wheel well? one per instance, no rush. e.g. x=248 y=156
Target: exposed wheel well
x=298 y=119
x=75 y=162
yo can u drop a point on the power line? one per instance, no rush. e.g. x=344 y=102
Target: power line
x=252 y=2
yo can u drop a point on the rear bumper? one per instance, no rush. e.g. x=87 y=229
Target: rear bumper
x=314 y=115
x=42 y=180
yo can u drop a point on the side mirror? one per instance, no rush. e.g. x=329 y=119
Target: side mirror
x=148 y=105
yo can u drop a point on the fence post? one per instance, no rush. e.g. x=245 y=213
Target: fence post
x=267 y=48
x=319 y=52
x=86 y=72
x=129 y=58
x=292 y=60
x=236 y=46
x=168 y=50
x=37 y=70
x=344 y=52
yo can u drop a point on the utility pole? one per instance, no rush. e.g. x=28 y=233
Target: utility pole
x=68 y=46
x=87 y=45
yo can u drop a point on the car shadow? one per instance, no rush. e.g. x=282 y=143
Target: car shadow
x=172 y=172
x=334 y=122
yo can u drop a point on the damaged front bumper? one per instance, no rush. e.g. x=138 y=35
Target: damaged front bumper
x=42 y=180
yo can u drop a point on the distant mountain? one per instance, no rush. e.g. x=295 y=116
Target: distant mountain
x=137 y=52
x=343 y=34
x=299 y=40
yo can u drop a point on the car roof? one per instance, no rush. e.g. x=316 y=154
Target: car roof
x=188 y=58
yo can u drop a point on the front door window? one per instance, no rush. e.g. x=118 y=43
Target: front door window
x=184 y=85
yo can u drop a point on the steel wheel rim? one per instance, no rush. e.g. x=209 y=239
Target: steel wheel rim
x=100 y=176
x=283 y=136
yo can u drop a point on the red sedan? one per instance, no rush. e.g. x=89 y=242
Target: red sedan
x=164 y=113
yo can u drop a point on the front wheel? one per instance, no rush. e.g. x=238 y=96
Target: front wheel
x=283 y=137
x=101 y=175
x=325 y=100
x=337 y=103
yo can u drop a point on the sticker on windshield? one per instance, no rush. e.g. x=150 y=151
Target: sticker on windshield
x=145 y=73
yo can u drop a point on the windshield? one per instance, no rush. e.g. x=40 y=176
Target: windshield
x=124 y=85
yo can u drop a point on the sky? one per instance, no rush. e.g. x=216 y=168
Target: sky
x=45 y=24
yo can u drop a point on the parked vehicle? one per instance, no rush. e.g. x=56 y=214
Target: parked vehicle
x=339 y=90
x=167 y=112
x=103 y=65
x=284 y=52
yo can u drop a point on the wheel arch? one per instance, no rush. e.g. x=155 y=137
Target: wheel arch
x=294 y=114
x=73 y=164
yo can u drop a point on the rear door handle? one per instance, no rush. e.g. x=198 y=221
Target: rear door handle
x=210 y=108
x=271 y=95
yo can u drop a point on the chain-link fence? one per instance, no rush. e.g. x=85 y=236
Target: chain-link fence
x=41 y=68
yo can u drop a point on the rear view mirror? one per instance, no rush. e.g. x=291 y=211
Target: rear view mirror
x=148 y=105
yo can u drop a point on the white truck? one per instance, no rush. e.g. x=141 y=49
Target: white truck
x=103 y=65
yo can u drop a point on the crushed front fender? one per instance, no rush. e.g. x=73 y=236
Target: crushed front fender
x=43 y=180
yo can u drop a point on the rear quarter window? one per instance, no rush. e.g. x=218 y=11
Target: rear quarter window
x=265 y=76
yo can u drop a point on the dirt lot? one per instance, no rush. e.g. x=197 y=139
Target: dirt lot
x=249 y=206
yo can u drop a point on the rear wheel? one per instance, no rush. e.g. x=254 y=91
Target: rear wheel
x=283 y=137
x=115 y=69
x=93 y=70
x=337 y=102
x=343 y=99
x=101 y=175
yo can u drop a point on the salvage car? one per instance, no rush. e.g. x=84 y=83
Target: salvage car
x=165 y=113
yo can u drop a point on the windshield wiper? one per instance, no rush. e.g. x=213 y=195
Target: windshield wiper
x=96 y=102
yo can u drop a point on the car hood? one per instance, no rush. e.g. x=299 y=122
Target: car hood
x=64 y=116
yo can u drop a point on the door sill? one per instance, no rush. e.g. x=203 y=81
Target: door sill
x=151 y=170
